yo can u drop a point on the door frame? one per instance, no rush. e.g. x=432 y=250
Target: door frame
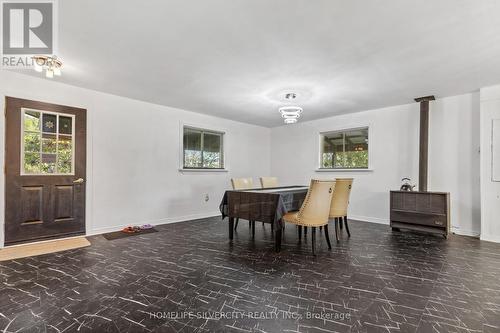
x=47 y=107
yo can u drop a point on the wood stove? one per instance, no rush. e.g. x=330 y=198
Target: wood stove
x=421 y=210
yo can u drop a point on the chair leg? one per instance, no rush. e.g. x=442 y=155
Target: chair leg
x=305 y=231
x=313 y=233
x=340 y=223
x=320 y=229
x=299 y=227
x=236 y=224
x=327 y=236
x=337 y=228
x=347 y=226
x=253 y=229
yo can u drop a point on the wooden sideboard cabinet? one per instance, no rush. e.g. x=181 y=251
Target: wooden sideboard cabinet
x=421 y=211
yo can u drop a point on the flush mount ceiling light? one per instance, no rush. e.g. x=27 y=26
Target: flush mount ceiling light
x=290 y=96
x=51 y=64
x=290 y=113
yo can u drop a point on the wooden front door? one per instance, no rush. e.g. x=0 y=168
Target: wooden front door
x=44 y=170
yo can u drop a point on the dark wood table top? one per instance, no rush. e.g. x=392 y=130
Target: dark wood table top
x=262 y=204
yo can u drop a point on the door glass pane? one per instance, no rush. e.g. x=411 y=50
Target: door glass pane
x=65 y=125
x=49 y=143
x=32 y=142
x=49 y=163
x=32 y=121
x=64 y=154
x=212 y=150
x=192 y=148
x=32 y=163
x=51 y=151
x=49 y=122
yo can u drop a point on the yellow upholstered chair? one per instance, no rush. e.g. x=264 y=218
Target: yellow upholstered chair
x=241 y=184
x=340 y=203
x=315 y=209
x=267 y=182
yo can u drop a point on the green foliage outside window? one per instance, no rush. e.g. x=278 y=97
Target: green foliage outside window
x=347 y=160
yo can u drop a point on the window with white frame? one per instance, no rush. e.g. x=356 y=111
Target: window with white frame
x=202 y=148
x=344 y=149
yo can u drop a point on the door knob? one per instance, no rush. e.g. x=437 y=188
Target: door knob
x=78 y=181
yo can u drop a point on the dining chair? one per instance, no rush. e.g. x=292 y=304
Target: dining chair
x=241 y=184
x=340 y=203
x=314 y=210
x=267 y=182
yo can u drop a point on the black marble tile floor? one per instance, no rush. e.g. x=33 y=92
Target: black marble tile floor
x=188 y=278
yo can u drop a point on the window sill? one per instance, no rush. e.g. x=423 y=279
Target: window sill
x=203 y=170
x=344 y=170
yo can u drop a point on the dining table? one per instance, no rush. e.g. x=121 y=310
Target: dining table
x=267 y=205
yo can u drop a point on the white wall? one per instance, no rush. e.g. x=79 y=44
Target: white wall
x=133 y=156
x=454 y=163
x=454 y=158
x=490 y=190
x=393 y=144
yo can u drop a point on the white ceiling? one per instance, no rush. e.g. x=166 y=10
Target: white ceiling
x=237 y=58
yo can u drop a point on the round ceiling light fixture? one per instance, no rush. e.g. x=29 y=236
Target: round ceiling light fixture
x=51 y=64
x=290 y=96
x=290 y=113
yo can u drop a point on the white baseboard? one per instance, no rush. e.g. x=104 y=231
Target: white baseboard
x=490 y=238
x=463 y=232
x=368 y=219
x=98 y=231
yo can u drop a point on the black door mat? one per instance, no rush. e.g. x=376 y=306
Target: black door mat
x=120 y=234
